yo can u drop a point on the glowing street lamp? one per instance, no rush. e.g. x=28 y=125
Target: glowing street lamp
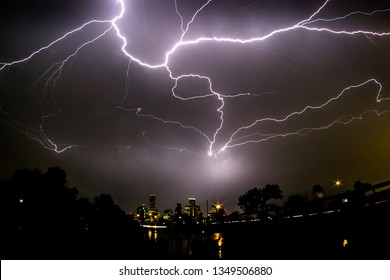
x=338 y=185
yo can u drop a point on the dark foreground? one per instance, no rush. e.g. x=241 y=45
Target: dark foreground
x=358 y=233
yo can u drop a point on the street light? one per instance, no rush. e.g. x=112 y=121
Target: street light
x=337 y=184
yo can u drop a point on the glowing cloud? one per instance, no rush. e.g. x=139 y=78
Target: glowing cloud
x=312 y=23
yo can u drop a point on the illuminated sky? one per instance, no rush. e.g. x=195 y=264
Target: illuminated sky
x=202 y=99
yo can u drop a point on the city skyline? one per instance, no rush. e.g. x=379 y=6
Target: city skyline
x=316 y=193
x=202 y=99
x=45 y=218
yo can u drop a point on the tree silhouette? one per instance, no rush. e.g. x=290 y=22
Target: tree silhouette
x=358 y=196
x=361 y=187
x=254 y=201
x=42 y=217
x=318 y=191
x=108 y=217
x=39 y=203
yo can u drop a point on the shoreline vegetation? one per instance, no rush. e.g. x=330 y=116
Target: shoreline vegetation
x=43 y=218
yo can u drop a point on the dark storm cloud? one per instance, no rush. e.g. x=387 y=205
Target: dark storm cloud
x=134 y=137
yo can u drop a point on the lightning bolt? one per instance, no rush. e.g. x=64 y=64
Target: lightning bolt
x=235 y=141
x=35 y=134
x=260 y=137
x=312 y=23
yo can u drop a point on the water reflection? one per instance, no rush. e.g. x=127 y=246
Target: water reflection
x=219 y=238
x=152 y=235
x=178 y=243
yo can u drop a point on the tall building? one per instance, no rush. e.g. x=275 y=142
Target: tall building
x=192 y=210
x=192 y=202
x=141 y=212
x=151 y=214
x=152 y=201
x=178 y=209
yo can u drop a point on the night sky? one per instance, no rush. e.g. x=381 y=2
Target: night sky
x=208 y=109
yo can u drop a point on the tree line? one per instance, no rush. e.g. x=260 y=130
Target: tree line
x=256 y=202
x=41 y=215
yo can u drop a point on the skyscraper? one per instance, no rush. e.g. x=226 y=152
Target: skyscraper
x=192 y=210
x=192 y=202
x=152 y=201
